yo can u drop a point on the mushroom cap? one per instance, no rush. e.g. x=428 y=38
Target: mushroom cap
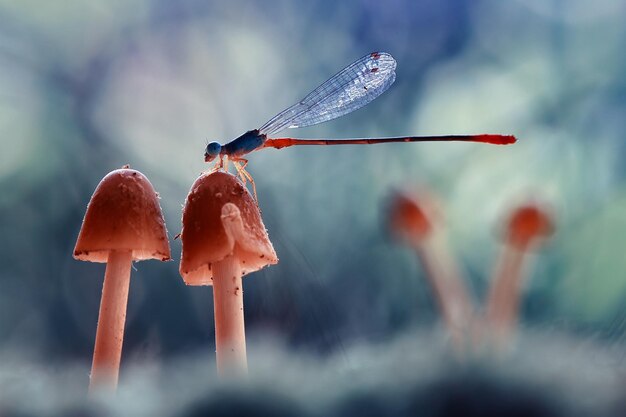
x=123 y=214
x=221 y=218
x=411 y=215
x=528 y=223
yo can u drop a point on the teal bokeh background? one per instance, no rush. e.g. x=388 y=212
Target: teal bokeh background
x=86 y=88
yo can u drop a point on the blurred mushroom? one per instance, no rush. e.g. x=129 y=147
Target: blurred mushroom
x=526 y=228
x=223 y=239
x=413 y=219
x=123 y=223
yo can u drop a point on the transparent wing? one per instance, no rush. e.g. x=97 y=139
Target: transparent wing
x=350 y=89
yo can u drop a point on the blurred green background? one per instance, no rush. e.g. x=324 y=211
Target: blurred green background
x=86 y=87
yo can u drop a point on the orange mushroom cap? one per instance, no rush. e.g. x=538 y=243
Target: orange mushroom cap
x=410 y=216
x=528 y=223
x=221 y=218
x=123 y=214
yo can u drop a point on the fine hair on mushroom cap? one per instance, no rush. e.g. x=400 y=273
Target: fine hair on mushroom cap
x=123 y=215
x=219 y=199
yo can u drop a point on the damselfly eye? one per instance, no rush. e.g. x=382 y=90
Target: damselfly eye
x=213 y=149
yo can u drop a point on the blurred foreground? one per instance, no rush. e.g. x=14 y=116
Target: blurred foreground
x=415 y=374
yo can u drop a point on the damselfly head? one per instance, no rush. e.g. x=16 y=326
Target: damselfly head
x=212 y=151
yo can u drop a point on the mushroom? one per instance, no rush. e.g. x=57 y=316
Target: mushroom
x=123 y=223
x=413 y=219
x=527 y=227
x=223 y=239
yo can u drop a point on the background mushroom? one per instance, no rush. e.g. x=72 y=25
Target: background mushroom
x=527 y=226
x=123 y=223
x=223 y=239
x=413 y=219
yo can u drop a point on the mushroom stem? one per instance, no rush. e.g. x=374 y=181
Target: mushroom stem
x=230 y=337
x=504 y=295
x=110 y=332
x=452 y=296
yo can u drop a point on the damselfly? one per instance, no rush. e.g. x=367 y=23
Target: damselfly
x=348 y=90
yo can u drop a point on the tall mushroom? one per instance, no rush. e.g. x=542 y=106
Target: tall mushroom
x=123 y=223
x=223 y=239
x=527 y=227
x=412 y=219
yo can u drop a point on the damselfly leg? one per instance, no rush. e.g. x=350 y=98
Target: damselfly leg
x=240 y=166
